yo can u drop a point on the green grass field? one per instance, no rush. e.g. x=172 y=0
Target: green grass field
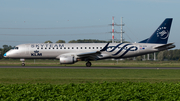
x=66 y=76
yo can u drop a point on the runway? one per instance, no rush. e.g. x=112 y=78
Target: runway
x=64 y=67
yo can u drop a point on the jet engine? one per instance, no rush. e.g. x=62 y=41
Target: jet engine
x=67 y=59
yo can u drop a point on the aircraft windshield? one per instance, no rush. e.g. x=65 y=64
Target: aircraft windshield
x=15 y=48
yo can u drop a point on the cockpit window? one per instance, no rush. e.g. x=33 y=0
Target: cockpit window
x=16 y=48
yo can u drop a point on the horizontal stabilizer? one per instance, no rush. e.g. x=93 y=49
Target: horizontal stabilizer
x=166 y=46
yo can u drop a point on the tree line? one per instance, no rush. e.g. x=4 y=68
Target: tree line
x=86 y=41
x=80 y=41
x=169 y=55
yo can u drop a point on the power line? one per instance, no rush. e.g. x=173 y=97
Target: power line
x=15 y=41
x=50 y=34
x=94 y=26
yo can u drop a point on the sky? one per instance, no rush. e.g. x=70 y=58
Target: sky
x=36 y=21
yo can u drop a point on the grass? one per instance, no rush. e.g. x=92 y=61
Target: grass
x=66 y=76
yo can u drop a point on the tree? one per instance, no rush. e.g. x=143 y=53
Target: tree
x=60 y=41
x=48 y=41
x=0 y=53
x=160 y=56
x=4 y=50
x=94 y=41
x=73 y=41
x=139 y=58
x=5 y=46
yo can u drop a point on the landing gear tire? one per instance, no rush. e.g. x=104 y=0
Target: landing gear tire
x=23 y=64
x=88 y=64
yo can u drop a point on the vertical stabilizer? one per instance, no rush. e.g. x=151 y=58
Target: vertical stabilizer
x=161 y=35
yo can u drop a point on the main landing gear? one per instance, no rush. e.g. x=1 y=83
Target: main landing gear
x=88 y=64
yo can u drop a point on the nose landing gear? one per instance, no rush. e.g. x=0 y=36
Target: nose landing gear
x=23 y=62
x=88 y=64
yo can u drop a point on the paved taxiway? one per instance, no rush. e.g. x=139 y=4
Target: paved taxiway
x=64 y=67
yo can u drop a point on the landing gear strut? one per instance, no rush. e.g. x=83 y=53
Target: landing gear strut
x=88 y=64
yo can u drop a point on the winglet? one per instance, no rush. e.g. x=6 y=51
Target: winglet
x=105 y=48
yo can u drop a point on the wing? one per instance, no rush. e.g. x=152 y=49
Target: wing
x=92 y=55
x=89 y=55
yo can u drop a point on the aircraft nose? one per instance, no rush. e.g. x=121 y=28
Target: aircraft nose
x=5 y=55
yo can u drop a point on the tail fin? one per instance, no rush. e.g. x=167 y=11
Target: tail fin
x=161 y=35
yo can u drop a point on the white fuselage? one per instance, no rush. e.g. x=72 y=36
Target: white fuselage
x=48 y=50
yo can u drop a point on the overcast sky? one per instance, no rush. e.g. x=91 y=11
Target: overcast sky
x=36 y=21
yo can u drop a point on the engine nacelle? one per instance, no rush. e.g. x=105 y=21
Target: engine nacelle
x=67 y=59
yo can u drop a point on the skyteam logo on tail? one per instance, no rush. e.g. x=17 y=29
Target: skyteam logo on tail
x=162 y=33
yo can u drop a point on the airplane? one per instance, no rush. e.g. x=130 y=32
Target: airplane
x=70 y=53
